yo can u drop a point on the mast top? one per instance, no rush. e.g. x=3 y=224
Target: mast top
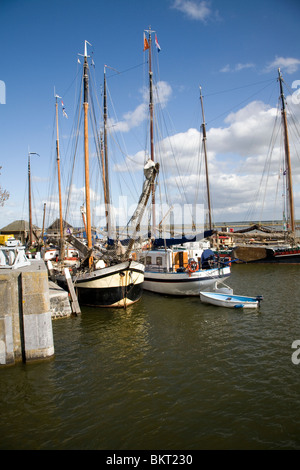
x=108 y=67
x=281 y=90
x=33 y=153
x=85 y=49
x=56 y=95
x=149 y=30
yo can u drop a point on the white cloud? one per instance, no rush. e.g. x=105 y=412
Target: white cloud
x=196 y=10
x=237 y=158
x=162 y=93
x=246 y=132
x=225 y=69
x=132 y=119
x=237 y=68
x=244 y=178
x=288 y=64
x=136 y=162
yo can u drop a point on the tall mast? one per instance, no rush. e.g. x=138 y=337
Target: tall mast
x=29 y=198
x=103 y=165
x=151 y=106
x=44 y=215
x=29 y=202
x=61 y=251
x=106 y=179
x=86 y=151
x=206 y=165
x=83 y=217
x=287 y=155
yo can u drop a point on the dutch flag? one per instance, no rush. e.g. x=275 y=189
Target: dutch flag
x=156 y=43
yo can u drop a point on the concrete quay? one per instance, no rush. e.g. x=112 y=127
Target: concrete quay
x=59 y=302
x=25 y=314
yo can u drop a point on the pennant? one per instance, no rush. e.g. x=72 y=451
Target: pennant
x=146 y=44
x=63 y=109
x=156 y=43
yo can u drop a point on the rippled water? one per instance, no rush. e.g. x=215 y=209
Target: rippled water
x=166 y=374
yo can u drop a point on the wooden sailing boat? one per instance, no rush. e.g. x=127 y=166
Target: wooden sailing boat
x=288 y=251
x=115 y=280
x=177 y=271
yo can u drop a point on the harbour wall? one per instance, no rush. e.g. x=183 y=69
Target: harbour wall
x=25 y=314
x=60 y=306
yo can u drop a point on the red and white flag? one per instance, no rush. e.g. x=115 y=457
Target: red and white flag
x=63 y=109
x=157 y=45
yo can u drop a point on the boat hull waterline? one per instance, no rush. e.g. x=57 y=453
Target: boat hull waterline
x=115 y=286
x=230 y=301
x=183 y=283
x=284 y=255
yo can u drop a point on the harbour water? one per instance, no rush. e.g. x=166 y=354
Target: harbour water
x=166 y=373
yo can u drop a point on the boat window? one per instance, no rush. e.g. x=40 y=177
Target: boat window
x=148 y=260
x=159 y=260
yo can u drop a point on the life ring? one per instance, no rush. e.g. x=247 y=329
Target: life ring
x=192 y=266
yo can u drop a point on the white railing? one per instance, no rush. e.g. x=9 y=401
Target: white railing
x=13 y=257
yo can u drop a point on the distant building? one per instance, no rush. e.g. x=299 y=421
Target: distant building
x=20 y=230
x=53 y=231
x=220 y=242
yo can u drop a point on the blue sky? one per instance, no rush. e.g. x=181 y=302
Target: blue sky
x=231 y=48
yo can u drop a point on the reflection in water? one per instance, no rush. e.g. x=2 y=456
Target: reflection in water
x=166 y=373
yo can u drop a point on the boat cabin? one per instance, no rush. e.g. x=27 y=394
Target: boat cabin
x=176 y=260
x=157 y=260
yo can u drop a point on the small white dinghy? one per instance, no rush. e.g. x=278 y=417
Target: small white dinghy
x=230 y=300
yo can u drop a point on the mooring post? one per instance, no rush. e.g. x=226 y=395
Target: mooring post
x=74 y=302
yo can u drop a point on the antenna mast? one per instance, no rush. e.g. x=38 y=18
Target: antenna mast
x=29 y=198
